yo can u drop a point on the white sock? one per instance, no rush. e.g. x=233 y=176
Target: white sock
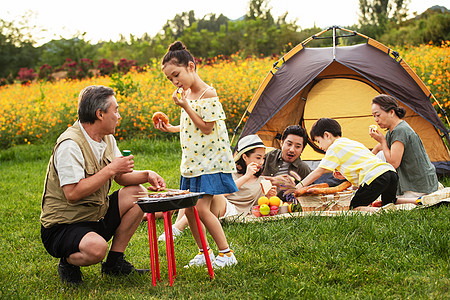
x=225 y=250
x=176 y=231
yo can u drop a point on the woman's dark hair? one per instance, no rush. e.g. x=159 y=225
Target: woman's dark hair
x=91 y=99
x=241 y=166
x=325 y=124
x=387 y=102
x=178 y=54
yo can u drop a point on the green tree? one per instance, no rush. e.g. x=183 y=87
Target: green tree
x=56 y=52
x=16 y=47
x=377 y=15
x=431 y=26
x=175 y=28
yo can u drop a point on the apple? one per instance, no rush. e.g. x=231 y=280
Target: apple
x=264 y=209
x=255 y=211
x=273 y=210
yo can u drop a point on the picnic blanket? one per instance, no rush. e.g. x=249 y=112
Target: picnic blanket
x=437 y=198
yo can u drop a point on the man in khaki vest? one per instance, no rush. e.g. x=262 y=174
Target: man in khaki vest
x=78 y=216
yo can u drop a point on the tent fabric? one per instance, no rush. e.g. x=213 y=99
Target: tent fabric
x=340 y=83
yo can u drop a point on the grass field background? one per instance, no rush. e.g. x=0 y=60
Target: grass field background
x=399 y=255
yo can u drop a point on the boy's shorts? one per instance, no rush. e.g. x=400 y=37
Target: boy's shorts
x=64 y=239
x=384 y=185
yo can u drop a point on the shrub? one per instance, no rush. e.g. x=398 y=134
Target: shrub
x=3 y=82
x=124 y=86
x=125 y=65
x=45 y=72
x=84 y=70
x=106 y=67
x=71 y=67
x=26 y=75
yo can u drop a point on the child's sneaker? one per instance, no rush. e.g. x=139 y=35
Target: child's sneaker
x=199 y=259
x=175 y=232
x=224 y=259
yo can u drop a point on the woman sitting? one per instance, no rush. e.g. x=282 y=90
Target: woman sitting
x=403 y=149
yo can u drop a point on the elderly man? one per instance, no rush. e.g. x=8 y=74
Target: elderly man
x=78 y=217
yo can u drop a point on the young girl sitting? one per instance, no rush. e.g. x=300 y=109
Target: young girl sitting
x=249 y=160
x=207 y=161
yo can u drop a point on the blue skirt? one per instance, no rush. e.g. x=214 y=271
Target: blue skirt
x=210 y=184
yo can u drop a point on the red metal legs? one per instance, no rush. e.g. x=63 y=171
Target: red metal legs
x=153 y=243
x=154 y=258
x=205 y=251
x=169 y=247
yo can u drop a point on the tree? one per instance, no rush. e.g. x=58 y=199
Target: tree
x=176 y=27
x=259 y=9
x=56 y=52
x=377 y=15
x=16 y=47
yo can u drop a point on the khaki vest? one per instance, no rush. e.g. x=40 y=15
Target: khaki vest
x=55 y=207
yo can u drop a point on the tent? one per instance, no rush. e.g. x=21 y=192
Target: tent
x=339 y=82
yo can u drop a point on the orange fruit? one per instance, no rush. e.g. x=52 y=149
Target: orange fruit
x=294 y=207
x=274 y=201
x=263 y=200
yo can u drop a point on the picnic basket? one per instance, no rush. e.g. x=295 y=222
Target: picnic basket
x=333 y=202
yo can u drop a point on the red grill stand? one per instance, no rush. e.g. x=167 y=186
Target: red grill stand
x=153 y=243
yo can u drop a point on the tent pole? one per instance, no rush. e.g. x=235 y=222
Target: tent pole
x=334 y=42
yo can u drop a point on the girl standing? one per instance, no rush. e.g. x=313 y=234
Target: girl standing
x=207 y=161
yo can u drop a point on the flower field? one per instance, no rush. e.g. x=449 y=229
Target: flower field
x=42 y=110
x=432 y=65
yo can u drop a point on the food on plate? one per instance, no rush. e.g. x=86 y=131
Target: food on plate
x=266 y=185
x=263 y=200
x=329 y=190
x=160 y=116
x=169 y=193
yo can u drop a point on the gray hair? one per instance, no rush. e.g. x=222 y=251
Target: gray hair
x=91 y=99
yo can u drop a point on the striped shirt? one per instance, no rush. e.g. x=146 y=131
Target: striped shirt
x=354 y=161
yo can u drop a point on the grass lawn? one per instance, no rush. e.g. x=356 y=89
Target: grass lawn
x=399 y=255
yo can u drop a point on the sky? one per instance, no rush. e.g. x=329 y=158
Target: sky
x=106 y=20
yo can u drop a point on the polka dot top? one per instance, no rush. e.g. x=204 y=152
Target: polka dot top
x=205 y=154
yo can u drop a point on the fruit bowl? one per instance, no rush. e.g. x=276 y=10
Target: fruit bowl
x=273 y=210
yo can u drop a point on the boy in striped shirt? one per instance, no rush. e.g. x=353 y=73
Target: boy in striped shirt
x=351 y=160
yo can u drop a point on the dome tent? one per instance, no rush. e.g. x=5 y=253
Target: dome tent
x=339 y=82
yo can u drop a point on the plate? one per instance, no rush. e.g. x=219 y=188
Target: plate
x=151 y=205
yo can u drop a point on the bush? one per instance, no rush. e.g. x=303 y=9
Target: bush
x=106 y=67
x=125 y=65
x=26 y=75
x=71 y=67
x=84 y=70
x=45 y=72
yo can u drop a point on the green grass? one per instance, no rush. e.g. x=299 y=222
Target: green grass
x=392 y=256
